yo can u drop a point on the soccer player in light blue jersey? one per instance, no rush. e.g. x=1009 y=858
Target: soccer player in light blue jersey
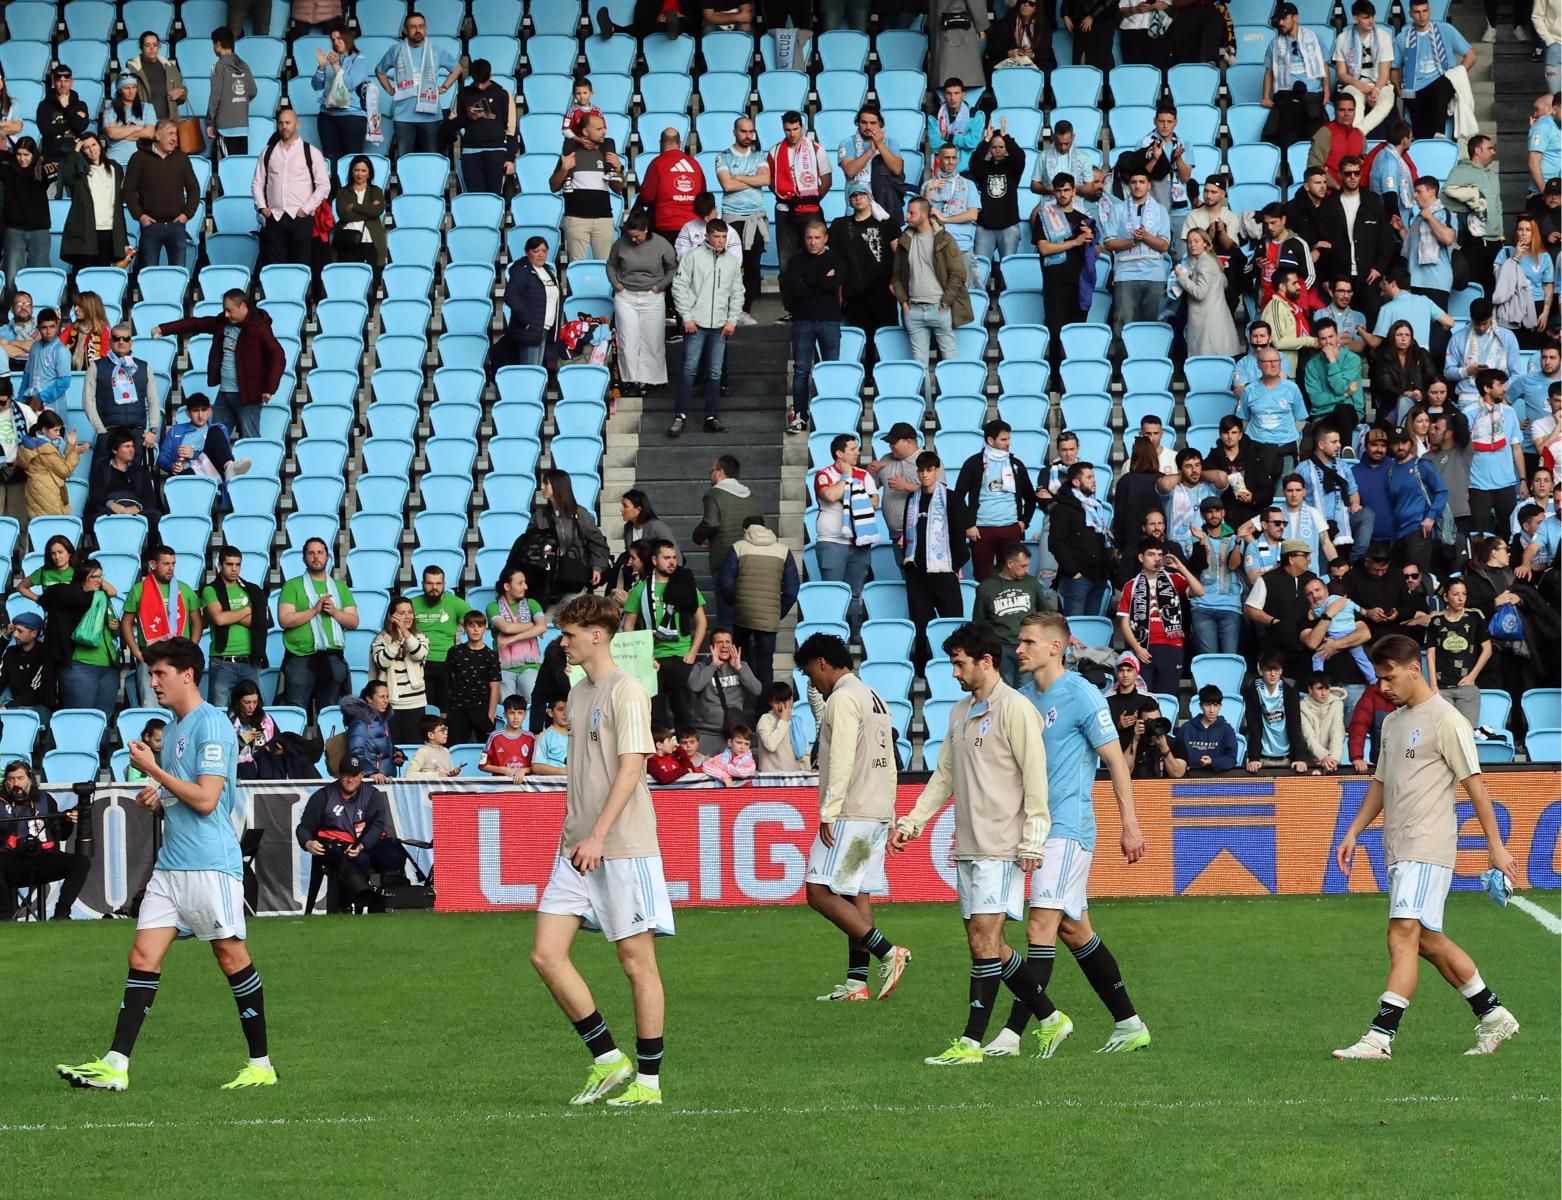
x=1077 y=729
x=197 y=886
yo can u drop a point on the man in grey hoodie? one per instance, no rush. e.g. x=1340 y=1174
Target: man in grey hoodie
x=233 y=87
x=728 y=506
x=723 y=690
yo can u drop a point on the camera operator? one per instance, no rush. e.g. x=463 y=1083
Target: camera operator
x=341 y=824
x=1154 y=752
x=33 y=831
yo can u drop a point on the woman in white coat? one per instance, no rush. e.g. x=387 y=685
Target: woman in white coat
x=1210 y=327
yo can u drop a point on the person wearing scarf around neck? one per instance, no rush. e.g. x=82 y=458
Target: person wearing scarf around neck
x=1424 y=53
x=1064 y=235
x=124 y=392
x=1139 y=237
x=995 y=499
x=932 y=556
x=1296 y=80
x=1430 y=237
x=1165 y=158
x=955 y=124
x=1480 y=345
x=1080 y=538
x=1497 y=469
x=799 y=176
x=957 y=204
x=410 y=71
x=159 y=607
x=869 y=157
x=1150 y=614
x=1363 y=62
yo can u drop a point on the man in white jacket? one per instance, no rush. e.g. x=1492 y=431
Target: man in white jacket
x=708 y=294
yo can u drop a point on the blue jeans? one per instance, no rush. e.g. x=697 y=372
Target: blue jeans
x=826 y=335
x=25 y=248
x=168 y=237
x=308 y=690
x=1361 y=526
x=925 y=323
x=840 y=563
x=705 y=346
x=416 y=137
x=1216 y=630
x=85 y=686
x=1005 y=241
x=241 y=420
x=1081 y=597
x=222 y=676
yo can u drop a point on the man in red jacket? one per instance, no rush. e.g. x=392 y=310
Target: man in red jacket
x=670 y=185
x=1338 y=139
x=245 y=364
x=1365 y=722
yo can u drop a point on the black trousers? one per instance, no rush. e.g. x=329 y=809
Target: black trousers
x=483 y=171
x=1492 y=502
x=758 y=648
x=37 y=870
x=1427 y=110
x=285 y=239
x=436 y=681
x=751 y=256
x=1197 y=34
x=674 y=705
x=929 y=595
x=1140 y=49
x=1060 y=299
x=468 y=724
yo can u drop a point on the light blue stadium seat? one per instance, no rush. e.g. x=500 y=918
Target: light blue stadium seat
x=1191 y=83
x=614 y=56
x=70 y=766
x=1244 y=83
x=780 y=91
x=396 y=423
x=1252 y=196
x=726 y=50
x=843 y=50
x=1225 y=671
x=1208 y=373
x=1199 y=126
x=888 y=639
x=1086 y=339
x=445 y=493
x=512 y=493
x=187 y=495
x=1252 y=41
x=1085 y=374
x=372 y=568
x=450 y=455
x=1135 y=86
x=1542 y=707
x=284 y=282
x=836 y=414
x=81 y=728
x=400 y=352
x=1095 y=445
x=319 y=492
x=960 y=413
x=841 y=91
x=440 y=530
x=1148 y=374
x=416 y=210
x=900 y=49
x=1131 y=123
x=451 y=562
x=458 y=385
x=413 y=245
x=1245 y=121
x=406 y=317
x=1207 y=408
x=891 y=680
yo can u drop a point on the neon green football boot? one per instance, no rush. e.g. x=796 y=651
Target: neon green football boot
x=252 y=1076
x=604 y=1077
x=1052 y=1033
x=96 y=1074
x=636 y=1095
x=962 y=1052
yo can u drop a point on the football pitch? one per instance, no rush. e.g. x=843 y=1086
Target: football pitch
x=419 y=1055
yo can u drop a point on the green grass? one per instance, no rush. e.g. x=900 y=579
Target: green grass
x=420 y=1056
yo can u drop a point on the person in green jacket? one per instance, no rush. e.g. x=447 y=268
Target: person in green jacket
x=1333 y=377
x=728 y=505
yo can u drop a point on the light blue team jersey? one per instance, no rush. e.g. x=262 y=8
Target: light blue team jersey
x=1545 y=139
x=1438 y=272
x=1141 y=262
x=203 y=743
x=1408 y=306
x=552 y=748
x=1272 y=413
x=1076 y=723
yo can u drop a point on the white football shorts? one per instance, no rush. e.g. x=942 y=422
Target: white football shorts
x=201 y=904
x=1062 y=878
x=1417 y=891
x=622 y=897
x=990 y=885
x=855 y=863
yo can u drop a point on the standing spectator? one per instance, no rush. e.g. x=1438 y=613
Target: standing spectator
x=94 y=234
x=47 y=374
x=359 y=235
x=87 y=336
x=1527 y=287
x=723 y=690
x=1530 y=395
x=410 y=72
x=1305 y=523
x=369 y=737
x=1216 y=558
x=485 y=115
x=238 y=619
x=1363 y=59
x=1296 y=80
x=865 y=243
x=672 y=608
x=342 y=75
x=997 y=166
x=1355 y=224
x=1139 y=240
x=1275 y=412
x=439 y=615
x=1391 y=172
x=127 y=120
x=1337 y=140
x=1334 y=379
x=743 y=171
x=291 y=180
x=240 y=12
x=1458 y=647
x=995 y=500
x=758 y=585
x=232 y=91
x=640 y=268
x=929 y=280
x=847 y=527
x=27 y=669
x=517 y=623
x=473 y=682
x=1416 y=497
x=956 y=123
x=314 y=610
x=956 y=204
x=62 y=118
x=589 y=174
x=123 y=392
x=246 y=361
x=1277 y=604
x=1429 y=242
x=1497 y=470
x=869 y=159
x=1210 y=327
x=1424 y=53
x=897 y=477
x=779 y=745
x=708 y=294
x=1145 y=32
x=1286 y=316
x=159 y=82
x=1543 y=147
x=799 y=176
x=811 y=290
x=158 y=607
x=1473 y=194
x=933 y=555
x=47 y=460
x=1305 y=214
x=1092 y=24
x=1348 y=322
x=671 y=182
x=1330 y=487
x=1080 y=541
x=79 y=631
x=1279 y=248
x=1020 y=38
x=1150 y=614
x=1272 y=719
x=1452 y=454
x=1137 y=494
x=641 y=522
x=1480 y=345
x=1166 y=162
x=162 y=194
x=1004 y=599
x=1063 y=235
x=580 y=559
x=534 y=301
x=1235 y=465
x=1185 y=492
x=724 y=512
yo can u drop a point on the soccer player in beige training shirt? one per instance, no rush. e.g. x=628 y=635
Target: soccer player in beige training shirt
x=608 y=875
x=994 y=763
x=1426 y=748
x=856 y=805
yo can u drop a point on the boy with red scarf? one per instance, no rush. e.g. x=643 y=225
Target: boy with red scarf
x=158 y=607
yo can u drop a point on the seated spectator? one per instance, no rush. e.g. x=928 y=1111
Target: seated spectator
x=121 y=483
x=1481 y=344
x=735 y=764
x=19 y=333
x=668 y=764
x=1458 y=648
x=552 y=753
x=27 y=669
x=314 y=612
x=1277 y=605
x=723 y=692
x=1150 y=614
x=152 y=735
x=1210 y=741
x=255 y=731
x=474 y=682
x=1534 y=546
x=432 y=758
x=1152 y=749
x=246 y=361
x=1322 y=714
x=47 y=460
x=1337 y=627
x=1004 y=599
x=1363 y=59
x=1334 y=379
x=509 y=749
x=33 y=833
x=341 y=825
x=1348 y=322
x=1401 y=370
x=1272 y=719
x=1185 y=491
x=397 y=657
x=197 y=447
x=368 y=731
x=780 y=745
x=1020 y=38
x=1337 y=140
x=59 y=566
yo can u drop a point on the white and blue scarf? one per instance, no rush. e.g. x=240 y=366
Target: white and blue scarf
x=1382 y=49
x=1057 y=228
x=1411 y=68
x=939 y=561
x=1096 y=516
x=1279 y=57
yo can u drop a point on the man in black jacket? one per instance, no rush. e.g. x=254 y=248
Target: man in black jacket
x=995 y=500
x=1355 y=223
x=485 y=114
x=341 y=825
x=1272 y=719
x=811 y=291
x=239 y=619
x=27 y=669
x=62 y=118
x=33 y=832
x=1278 y=606
x=1079 y=541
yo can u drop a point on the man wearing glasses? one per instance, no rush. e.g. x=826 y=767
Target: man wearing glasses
x=124 y=393
x=1262 y=554
x=62 y=118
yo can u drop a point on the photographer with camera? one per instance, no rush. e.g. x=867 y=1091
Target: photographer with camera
x=341 y=825
x=33 y=832
x=1154 y=752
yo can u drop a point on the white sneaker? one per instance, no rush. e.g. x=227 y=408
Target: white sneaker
x=847 y=991
x=237 y=467
x=1372 y=1045
x=1490 y=35
x=745 y=319
x=1005 y=1045
x=1495 y=1028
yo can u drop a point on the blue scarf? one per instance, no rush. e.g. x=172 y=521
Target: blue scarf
x=1412 y=64
x=939 y=561
x=1279 y=57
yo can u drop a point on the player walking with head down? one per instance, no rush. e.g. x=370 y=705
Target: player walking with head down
x=197 y=886
x=856 y=805
x=1077 y=727
x=1426 y=748
x=608 y=874
x=994 y=763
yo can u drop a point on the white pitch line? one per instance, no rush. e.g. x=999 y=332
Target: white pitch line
x=1548 y=920
x=785 y=1110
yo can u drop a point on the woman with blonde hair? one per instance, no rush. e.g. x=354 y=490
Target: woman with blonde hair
x=88 y=336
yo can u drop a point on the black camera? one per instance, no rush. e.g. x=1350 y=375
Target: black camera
x=1155 y=727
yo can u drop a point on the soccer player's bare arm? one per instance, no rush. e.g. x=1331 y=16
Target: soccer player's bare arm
x=202 y=795
x=1132 y=841
x=935 y=794
x=1371 y=806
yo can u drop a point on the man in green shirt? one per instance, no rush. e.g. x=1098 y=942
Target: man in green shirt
x=438 y=614
x=315 y=611
x=158 y=607
x=674 y=612
x=236 y=617
x=1003 y=600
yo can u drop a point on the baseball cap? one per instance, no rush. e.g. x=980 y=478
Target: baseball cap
x=855 y=188
x=1377 y=434
x=1399 y=434
x=31 y=620
x=900 y=431
x=1210 y=694
x=351 y=765
x=1287 y=10
x=1130 y=658
x=1294 y=546
x=1211 y=503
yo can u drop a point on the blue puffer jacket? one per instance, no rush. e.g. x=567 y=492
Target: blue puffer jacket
x=369 y=736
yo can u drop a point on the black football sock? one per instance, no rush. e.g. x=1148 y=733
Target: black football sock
x=1027 y=988
x=1040 y=959
x=878 y=945
x=1482 y=999
x=648 y=1052
x=856 y=962
x=594 y=1032
x=140 y=991
x=251 y=999
x=1391 y=1009
x=1102 y=972
x=984 y=993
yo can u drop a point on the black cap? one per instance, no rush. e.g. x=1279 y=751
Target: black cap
x=1287 y=10
x=900 y=431
x=351 y=764
x=1399 y=434
x=1211 y=503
